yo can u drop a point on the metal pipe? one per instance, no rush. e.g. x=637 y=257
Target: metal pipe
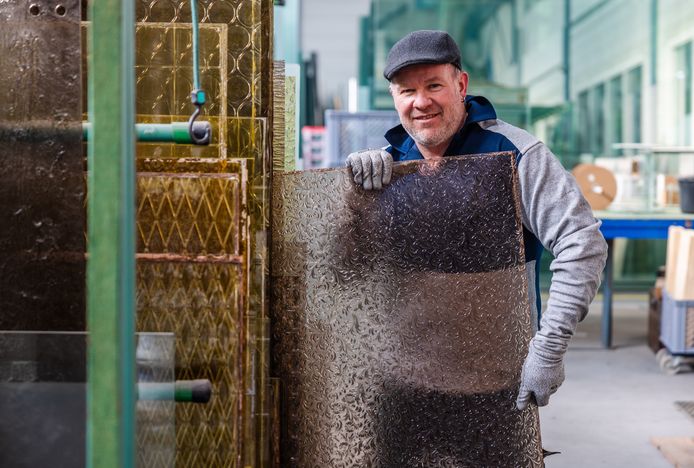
x=41 y=130
x=190 y=391
x=176 y=132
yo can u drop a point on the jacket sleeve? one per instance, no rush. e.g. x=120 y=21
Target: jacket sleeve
x=554 y=209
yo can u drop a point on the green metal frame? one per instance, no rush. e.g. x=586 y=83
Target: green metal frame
x=111 y=392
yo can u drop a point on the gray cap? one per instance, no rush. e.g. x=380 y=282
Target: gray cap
x=423 y=46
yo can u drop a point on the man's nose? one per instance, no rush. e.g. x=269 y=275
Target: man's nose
x=422 y=101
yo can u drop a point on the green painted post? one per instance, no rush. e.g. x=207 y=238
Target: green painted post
x=111 y=236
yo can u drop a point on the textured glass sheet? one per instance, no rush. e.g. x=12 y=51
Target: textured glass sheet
x=402 y=317
x=278 y=115
x=42 y=268
x=200 y=304
x=248 y=52
x=43 y=405
x=156 y=420
x=189 y=282
x=188 y=214
x=291 y=109
x=163 y=68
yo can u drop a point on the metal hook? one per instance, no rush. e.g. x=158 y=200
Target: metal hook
x=198 y=99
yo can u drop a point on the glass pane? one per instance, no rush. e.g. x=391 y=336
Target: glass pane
x=42 y=186
x=156 y=410
x=189 y=282
x=401 y=317
x=44 y=390
x=200 y=304
x=248 y=80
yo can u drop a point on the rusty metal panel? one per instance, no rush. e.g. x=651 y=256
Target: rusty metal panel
x=42 y=244
x=401 y=317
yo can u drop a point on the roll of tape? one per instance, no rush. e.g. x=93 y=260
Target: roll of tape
x=598 y=185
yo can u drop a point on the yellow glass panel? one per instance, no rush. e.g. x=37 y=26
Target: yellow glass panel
x=188 y=214
x=232 y=138
x=190 y=277
x=249 y=51
x=163 y=68
x=201 y=304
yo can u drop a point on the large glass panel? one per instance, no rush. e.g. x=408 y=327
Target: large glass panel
x=634 y=80
x=683 y=89
x=42 y=187
x=401 y=317
x=598 y=144
x=616 y=111
x=248 y=52
x=44 y=390
x=584 y=123
x=190 y=282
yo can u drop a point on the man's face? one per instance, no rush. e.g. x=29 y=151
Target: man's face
x=429 y=100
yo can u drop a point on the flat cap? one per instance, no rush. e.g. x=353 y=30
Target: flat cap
x=423 y=46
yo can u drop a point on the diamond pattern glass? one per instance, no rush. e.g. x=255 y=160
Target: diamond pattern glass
x=189 y=214
x=200 y=304
x=401 y=317
x=190 y=283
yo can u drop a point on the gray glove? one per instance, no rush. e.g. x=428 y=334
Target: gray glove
x=371 y=168
x=543 y=370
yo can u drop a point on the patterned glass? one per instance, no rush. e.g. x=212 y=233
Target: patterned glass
x=190 y=283
x=44 y=399
x=200 y=304
x=241 y=145
x=291 y=90
x=248 y=52
x=189 y=214
x=156 y=418
x=278 y=116
x=42 y=245
x=401 y=317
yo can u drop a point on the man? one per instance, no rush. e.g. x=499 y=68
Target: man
x=439 y=119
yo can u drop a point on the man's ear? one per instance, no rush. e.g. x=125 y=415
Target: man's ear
x=462 y=83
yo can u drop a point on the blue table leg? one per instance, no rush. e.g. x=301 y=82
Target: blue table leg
x=607 y=297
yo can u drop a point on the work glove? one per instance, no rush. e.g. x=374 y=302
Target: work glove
x=371 y=168
x=543 y=370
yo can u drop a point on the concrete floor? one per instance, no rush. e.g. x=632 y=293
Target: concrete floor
x=614 y=401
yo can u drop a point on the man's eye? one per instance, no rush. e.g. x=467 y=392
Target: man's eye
x=407 y=91
x=434 y=86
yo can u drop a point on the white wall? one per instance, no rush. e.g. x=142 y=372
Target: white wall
x=331 y=29
x=611 y=41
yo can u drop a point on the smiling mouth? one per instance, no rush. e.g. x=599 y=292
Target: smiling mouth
x=424 y=118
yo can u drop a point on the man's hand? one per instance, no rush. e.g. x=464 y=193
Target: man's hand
x=543 y=372
x=371 y=169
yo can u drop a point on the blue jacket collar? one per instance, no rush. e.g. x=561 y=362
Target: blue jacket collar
x=479 y=109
